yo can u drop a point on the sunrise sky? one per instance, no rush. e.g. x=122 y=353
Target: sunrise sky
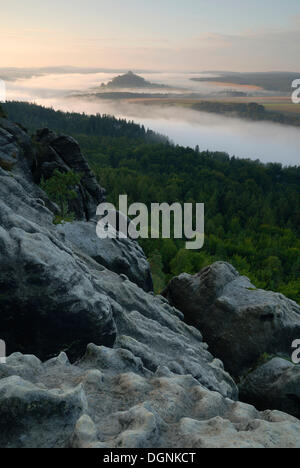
x=187 y=35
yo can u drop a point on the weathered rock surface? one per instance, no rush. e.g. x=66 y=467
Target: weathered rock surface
x=274 y=385
x=120 y=255
x=110 y=400
x=238 y=321
x=26 y=408
x=48 y=299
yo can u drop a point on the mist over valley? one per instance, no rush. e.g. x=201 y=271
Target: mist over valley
x=245 y=139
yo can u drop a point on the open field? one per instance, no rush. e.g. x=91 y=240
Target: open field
x=226 y=84
x=284 y=107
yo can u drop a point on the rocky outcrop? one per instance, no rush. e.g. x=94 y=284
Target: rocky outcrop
x=121 y=255
x=110 y=400
x=63 y=153
x=48 y=299
x=238 y=321
x=274 y=385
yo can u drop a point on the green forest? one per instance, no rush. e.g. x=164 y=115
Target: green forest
x=249 y=111
x=252 y=210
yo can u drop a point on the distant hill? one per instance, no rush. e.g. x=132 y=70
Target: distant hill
x=130 y=80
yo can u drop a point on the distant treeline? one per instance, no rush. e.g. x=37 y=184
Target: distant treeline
x=251 y=111
x=272 y=81
x=252 y=210
x=34 y=117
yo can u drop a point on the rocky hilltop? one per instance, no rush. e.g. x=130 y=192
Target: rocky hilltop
x=95 y=359
x=130 y=80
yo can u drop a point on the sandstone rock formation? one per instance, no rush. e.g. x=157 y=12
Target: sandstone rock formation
x=238 y=321
x=48 y=299
x=274 y=385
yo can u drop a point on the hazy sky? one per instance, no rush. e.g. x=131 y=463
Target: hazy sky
x=188 y=35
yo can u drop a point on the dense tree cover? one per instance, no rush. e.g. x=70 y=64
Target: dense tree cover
x=35 y=117
x=252 y=210
x=251 y=111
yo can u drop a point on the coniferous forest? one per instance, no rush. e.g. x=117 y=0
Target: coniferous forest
x=252 y=210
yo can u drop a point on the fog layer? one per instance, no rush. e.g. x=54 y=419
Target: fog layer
x=256 y=140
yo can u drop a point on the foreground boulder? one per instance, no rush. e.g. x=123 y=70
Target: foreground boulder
x=110 y=400
x=274 y=385
x=238 y=321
